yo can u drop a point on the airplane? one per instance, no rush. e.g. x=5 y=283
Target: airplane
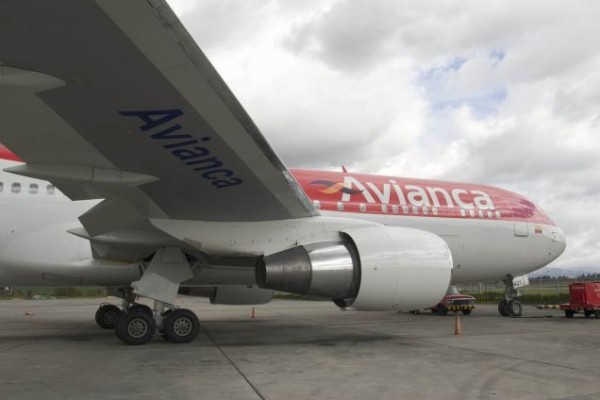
x=133 y=166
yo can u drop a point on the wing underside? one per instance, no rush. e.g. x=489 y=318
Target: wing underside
x=113 y=99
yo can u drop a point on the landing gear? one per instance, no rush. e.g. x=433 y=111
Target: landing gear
x=181 y=326
x=502 y=307
x=107 y=315
x=514 y=308
x=135 y=327
x=136 y=323
x=510 y=306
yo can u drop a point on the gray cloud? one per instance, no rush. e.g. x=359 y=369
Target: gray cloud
x=505 y=93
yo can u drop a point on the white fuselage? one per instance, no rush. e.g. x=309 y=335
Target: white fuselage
x=37 y=249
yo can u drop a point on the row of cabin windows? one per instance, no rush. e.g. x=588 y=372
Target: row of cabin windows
x=419 y=210
x=33 y=188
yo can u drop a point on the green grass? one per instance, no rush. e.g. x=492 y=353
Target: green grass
x=68 y=292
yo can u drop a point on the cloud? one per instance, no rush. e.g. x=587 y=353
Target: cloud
x=506 y=93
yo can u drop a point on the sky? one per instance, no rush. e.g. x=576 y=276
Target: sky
x=505 y=93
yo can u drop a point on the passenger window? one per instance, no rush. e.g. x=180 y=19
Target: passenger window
x=1 y=187
x=362 y=207
x=33 y=188
x=15 y=188
x=50 y=189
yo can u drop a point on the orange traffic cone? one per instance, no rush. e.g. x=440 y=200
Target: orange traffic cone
x=253 y=315
x=28 y=313
x=457 y=325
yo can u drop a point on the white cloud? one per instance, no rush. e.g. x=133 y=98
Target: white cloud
x=506 y=93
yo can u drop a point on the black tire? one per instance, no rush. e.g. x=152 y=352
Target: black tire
x=569 y=313
x=181 y=326
x=587 y=313
x=142 y=308
x=466 y=311
x=135 y=327
x=514 y=308
x=597 y=313
x=441 y=309
x=502 y=308
x=107 y=315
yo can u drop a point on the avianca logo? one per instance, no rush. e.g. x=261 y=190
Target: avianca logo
x=332 y=187
x=194 y=152
x=392 y=192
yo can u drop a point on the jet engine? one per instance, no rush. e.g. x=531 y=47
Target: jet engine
x=373 y=268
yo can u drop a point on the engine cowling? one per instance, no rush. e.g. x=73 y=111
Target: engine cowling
x=372 y=268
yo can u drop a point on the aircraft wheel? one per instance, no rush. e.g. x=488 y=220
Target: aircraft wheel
x=181 y=326
x=135 y=327
x=466 y=312
x=514 y=308
x=142 y=308
x=569 y=313
x=107 y=316
x=442 y=309
x=502 y=308
x=597 y=313
x=587 y=313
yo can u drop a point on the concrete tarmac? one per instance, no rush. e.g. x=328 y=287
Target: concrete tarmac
x=299 y=350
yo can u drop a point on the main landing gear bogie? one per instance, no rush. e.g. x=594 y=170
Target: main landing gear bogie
x=137 y=324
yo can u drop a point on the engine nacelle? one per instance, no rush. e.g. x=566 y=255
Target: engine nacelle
x=373 y=268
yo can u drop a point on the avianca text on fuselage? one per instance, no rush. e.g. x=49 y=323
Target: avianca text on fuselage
x=392 y=192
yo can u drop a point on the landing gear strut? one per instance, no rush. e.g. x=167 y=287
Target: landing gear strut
x=510 y=306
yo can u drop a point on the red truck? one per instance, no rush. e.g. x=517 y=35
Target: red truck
x=583 y=297
x=454 y=300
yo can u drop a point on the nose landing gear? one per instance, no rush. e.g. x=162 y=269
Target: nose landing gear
x=510 y=306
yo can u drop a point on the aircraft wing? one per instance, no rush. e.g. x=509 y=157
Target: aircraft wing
x=114 y=99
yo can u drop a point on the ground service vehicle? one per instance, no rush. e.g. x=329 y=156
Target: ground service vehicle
x=583 y=297
x=454 y=300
